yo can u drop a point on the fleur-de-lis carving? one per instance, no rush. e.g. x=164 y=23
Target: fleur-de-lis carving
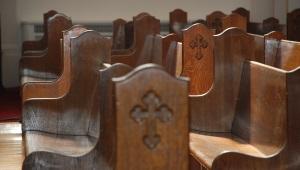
x=199 y=42
x=154 y=111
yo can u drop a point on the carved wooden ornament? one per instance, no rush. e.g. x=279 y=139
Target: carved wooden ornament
x=154 y=111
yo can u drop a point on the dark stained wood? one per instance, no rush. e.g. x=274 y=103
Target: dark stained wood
x=199 y=21
x=1 y=53
x=232 y=124
x=293 y=25
x=152 y=51
x=144 y=25
x=282 y=54
x=28 y=47
x=177 y=21
x=198 y=59
x=60 y=86
x=119 y=34
x=268 y=25
x=166 y=43
x=129 y=34
x=214 y=20
x=242 y=12
x=66 y=129
x=234 y=20
x=50 y=64
x=155 y=123
x=171 y=60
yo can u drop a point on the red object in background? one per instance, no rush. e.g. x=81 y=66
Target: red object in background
x=10 y=105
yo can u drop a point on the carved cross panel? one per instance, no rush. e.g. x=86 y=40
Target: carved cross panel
x=153 y=112
x=199 y=42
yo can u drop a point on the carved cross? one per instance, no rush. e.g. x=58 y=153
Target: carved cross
x=199 y=42
x=154 y=111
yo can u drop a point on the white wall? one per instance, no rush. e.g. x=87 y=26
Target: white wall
x=14 y=12
x=108 y=10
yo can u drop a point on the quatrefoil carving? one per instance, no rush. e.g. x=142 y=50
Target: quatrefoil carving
x=153 y=111
x=199 y=42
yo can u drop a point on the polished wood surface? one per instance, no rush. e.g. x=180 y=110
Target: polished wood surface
x=242 y=12
x=214 y=21
x=197 y=58
x=143 y=25
x=60 y=86
x=36 y=47
x=11 y=146
x=234 y=20
x=178 y=19
x=155 y=124
x=119 y=39
x=50 y=64
x=293 y=25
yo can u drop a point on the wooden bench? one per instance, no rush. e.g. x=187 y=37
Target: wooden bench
x=48 y=66
x=37 y=47
x=58 y=131
x=293 y=25
x=214 y=20
x=143 y=25
x=60 y=86
x=235 y=125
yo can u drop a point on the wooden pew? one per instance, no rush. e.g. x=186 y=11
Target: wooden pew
x=197 y=58
x=37 y=47
x=143 y=25
x=242 y=12
x=261 y=54
x=63 y=131
x=119 y=40
x=151 y=136
x=177 y=21
x=60 y=86
x=174 y=59
x=293 y=25
x=233 y=124
x=268 y=25
x=282 y=54
x=214 y=20
x=48 y=66
x=234 y=20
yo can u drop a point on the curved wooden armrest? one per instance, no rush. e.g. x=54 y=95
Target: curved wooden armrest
x=32 y=46
x=55 y=89
x=237 y=161
x=35 y=63
x=33 y=53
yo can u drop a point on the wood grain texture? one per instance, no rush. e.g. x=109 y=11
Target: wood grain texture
x=119 y=34
x=143 y=25
x=282 y=54
x=29 y=46
x=214 y=20
x=168 y=134
x=198 y=58
x=60 y=86
x=242 y=12
x=234 y=20
x=11 y=146
x=50 y=64
x=231 y=49
x=293 y=25
x=177 y=20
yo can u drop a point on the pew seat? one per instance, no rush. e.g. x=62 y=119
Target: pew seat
x=208 y=146
x=69 y=145
x=26 y=79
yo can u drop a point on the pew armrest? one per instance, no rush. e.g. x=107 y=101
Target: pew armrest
x=32 y=46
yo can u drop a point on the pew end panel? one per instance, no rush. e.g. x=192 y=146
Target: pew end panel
x=153 y=122
x=198 y=58
x=177 y=21
x=214 y=20
x=28 y=47
x=234 y=20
